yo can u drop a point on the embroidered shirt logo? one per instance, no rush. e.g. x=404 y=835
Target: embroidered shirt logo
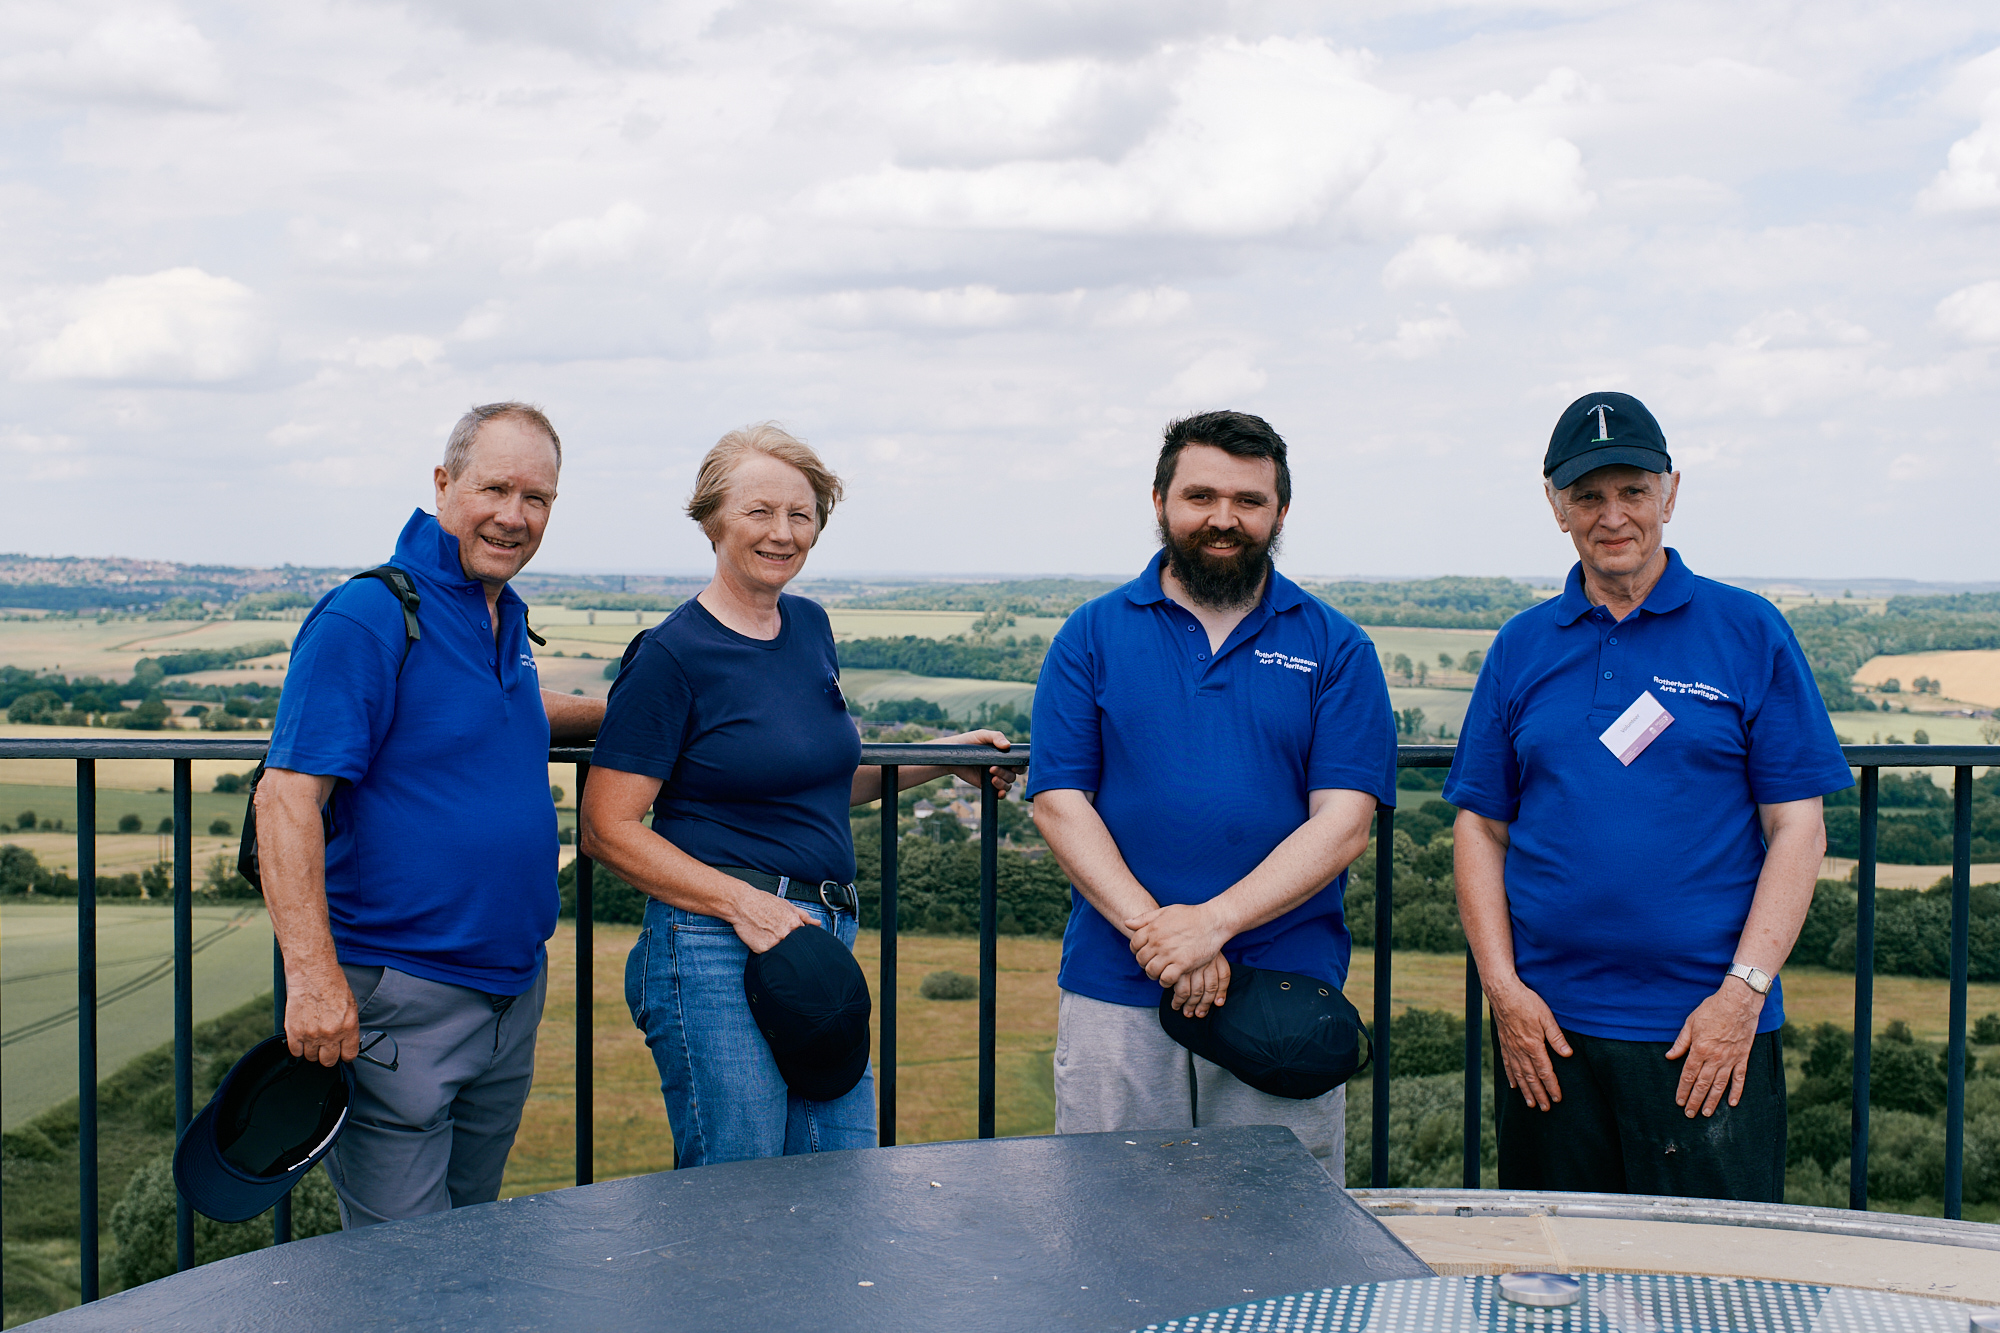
x=1285 y=660
x=1695 y=687
x=528 y=661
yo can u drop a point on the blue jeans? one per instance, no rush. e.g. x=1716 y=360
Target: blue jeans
x=725 y=1097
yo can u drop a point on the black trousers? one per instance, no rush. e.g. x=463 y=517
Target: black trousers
x=1617 y=1130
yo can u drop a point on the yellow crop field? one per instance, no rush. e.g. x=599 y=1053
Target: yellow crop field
x=1969 y=677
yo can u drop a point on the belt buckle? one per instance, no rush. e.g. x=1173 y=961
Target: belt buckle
x=849 y=899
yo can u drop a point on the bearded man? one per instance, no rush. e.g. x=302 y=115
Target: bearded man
x=1211 y=744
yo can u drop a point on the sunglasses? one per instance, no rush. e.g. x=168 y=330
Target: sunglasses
x=379 y=1048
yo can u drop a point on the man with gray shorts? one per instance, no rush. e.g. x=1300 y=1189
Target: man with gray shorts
x=406 y=835
x=1211 y=744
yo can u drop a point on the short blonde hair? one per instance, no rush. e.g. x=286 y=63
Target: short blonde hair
x=711 y=480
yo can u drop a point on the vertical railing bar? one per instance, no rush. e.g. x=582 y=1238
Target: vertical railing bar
x=86 y=1022
x=1385 y=933
x=281 y=1214
x=1961 y=926
x=183 y=992
x=989 y=948
x=1475 y=1042
x=586 y=999
x=1864 y=990
x=885 y=1072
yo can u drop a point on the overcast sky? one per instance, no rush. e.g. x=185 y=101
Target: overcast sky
x=256 y=259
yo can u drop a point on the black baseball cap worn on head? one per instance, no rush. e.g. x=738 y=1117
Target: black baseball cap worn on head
x=808 y=997
x=1601 y=430
x=1280 y=1032
x=274 y=1116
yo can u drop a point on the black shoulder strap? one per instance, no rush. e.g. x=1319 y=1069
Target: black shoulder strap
x=400 y=583
x=540 y=642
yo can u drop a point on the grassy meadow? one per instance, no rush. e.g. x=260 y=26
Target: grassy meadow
x=938 y=1043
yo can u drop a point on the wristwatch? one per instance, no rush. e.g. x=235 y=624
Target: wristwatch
x=1755 y=978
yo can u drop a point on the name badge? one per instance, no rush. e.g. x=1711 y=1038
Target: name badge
x=1628 y=737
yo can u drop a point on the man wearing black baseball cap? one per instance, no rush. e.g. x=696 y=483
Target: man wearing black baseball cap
x=1639 y=782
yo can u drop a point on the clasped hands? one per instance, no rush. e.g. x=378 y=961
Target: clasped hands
x=1180 y=946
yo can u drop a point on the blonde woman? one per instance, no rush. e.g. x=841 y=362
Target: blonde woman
x=727 y=721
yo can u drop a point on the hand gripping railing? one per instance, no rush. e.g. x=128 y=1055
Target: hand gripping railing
x=1870 y=759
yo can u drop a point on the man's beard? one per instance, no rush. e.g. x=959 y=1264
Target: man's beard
x=1224 y=583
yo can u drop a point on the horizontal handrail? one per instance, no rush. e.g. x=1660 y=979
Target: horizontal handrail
x=874 y=752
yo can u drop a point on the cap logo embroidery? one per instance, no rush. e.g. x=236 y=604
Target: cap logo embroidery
x=1603 y=430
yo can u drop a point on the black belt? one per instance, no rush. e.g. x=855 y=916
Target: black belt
x=828 y=893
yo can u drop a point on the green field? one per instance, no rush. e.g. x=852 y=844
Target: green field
x=958 y=697
x=112 y=805
x=135 y=986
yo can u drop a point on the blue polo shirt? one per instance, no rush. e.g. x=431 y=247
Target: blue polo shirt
x=1629 y=886
x=443 y=859
x=1202 y=761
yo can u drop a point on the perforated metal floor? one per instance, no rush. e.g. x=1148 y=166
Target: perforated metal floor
x=1612 y=1303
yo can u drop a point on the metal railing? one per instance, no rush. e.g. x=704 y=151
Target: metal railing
x=1870 y=759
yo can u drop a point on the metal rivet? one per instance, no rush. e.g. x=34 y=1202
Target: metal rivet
x=1322 y=990
x=1284 y=985
x=1543 y=1289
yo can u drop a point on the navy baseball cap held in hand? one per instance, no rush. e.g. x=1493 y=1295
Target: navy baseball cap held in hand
x=808 y=997
x=1282 y=1033
x=1600 y=430
x=274 y=1116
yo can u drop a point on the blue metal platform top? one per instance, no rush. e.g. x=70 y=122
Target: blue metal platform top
x=1087 y=1232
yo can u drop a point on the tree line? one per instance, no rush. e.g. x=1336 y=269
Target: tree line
x=1838 y=639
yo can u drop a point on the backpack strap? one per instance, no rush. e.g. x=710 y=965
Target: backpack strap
x=399 y=582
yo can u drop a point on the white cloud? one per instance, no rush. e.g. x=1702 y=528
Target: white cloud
x=1446 y=261
x=1421 y=337
x=390 y=353
x=137 y=55
x=1005 y=241
x=1213 y=378
x=176 y=325
x=1970 y=181
x=608 y=238
x=1911 y=467
x=1973 y=313
x=1261 y=138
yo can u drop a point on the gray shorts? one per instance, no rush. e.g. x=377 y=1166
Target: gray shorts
x=1116 y=1069
x=435 y=1132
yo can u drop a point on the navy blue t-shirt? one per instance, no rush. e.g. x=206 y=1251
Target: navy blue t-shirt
x=750 y=738
x=1629 y=885
x=1202 y=762
x=443 y=860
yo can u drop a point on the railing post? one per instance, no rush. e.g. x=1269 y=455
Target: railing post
x=586 y=1000
x=989 y=948
x=1864 y=991
x=1385 y=934
x=885 y=1072
x=183 y=991
x=1961 y=927
x=1475 y=1042
x=86 y=1022
x=281 y=1214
